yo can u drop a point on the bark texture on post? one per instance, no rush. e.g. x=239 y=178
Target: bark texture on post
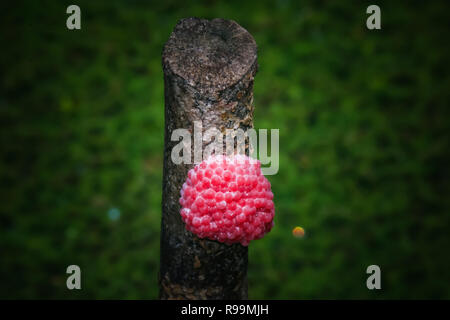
x=209 y=67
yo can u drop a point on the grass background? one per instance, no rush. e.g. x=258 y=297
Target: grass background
x=364 y=139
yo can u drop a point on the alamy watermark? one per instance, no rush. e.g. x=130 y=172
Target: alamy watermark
x=73 y=21
x=74 y=280
x=374 y=280
x=374 y=20
x=235 y=141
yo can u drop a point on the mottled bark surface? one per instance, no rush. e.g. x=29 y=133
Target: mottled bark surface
x=209 y=67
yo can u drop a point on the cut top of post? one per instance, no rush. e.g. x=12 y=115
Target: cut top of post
x=209 y=54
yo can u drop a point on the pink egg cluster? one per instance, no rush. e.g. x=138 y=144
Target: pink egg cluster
x=227 y=199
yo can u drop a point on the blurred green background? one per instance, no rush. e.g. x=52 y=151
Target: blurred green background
x=364 y=139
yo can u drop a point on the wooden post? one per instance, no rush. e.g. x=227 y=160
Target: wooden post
x=209 y=67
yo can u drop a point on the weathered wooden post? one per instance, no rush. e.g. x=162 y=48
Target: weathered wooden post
x=209 y=67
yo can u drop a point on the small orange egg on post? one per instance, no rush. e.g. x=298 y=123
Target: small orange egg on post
x=298 y=232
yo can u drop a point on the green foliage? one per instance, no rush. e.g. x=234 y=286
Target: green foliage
x=363 y=118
